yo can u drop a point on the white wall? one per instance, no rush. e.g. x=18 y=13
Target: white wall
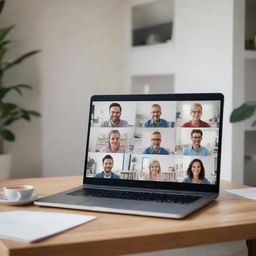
x=238 y=94
x=209 y=57
x=152 y=84
x=85 y=49
x=204 y=58
x=84 y=52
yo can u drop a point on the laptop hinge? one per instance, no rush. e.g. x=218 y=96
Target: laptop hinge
x=137 y=189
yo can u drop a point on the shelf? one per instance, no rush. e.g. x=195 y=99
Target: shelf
x=151 y=84
x=249 y=155
x=156 y=59
x=151 y=47
x=250 y=129
x=152 y=35
x=250 y=54
x=152 y=22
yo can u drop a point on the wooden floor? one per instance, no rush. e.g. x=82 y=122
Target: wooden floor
x=221 y=249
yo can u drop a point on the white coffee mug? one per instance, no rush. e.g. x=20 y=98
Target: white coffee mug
x=18 y=192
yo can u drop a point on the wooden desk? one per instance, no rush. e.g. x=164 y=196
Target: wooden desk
x=228 y=218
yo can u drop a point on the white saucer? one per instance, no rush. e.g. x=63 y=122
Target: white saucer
x=5 y=201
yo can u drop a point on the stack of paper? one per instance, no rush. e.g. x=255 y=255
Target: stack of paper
x=30 y=226
x=245 y=192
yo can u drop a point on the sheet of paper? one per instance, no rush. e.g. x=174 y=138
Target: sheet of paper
x=31 y=226
x=245 y=192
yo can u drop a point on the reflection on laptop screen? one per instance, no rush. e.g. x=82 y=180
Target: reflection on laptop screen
x=158 y=141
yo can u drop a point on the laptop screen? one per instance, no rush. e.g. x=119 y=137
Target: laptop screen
x=166 y=140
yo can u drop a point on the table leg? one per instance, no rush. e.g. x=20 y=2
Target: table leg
x=251 y=245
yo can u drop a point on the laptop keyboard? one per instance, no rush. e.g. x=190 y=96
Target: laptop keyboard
x=146 y=196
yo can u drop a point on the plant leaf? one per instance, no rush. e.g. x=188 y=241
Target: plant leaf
x=6 y=109
x=20 y=59
x=19 y=114
x=7 y=134
x=4 y=43
x=17 y=88
x=10 y=112
x=2 y=53
x=241 y=113
x=4 y=32
x=25 y=115
x=33 y=113
x=254 y=123
x=2 y=3
x=10 y=120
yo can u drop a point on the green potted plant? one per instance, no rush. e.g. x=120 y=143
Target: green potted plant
x=91 y=165
x=244 y=112
x=134 y=160
x=9 y=111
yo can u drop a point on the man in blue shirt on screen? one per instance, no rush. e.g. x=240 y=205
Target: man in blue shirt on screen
x=155 y=145
x=156 y=121
x=196 y=149
x=107 y=163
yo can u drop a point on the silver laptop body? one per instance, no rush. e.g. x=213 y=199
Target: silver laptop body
x=153 y=155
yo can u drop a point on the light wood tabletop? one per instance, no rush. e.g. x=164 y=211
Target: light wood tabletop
x=228 y=218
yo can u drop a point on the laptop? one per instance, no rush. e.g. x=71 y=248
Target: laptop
x=153 y=155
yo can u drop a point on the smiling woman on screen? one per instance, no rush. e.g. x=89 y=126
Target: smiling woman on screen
x=196 y=173
x=154 y=171
x=114 y=143
x=196 y=114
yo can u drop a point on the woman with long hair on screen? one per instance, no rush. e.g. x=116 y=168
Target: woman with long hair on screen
x=114 y=145
x=154 y=171
x=196 y=173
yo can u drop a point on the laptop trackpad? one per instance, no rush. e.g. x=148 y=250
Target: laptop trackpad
x=110 y=203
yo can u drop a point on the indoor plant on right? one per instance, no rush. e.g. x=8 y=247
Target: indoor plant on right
x=9 y=111
x=243 y=112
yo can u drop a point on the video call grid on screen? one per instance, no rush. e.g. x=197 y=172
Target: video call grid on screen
x=138 y=150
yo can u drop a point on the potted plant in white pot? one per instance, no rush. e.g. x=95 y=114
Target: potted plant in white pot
x=9 y=111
